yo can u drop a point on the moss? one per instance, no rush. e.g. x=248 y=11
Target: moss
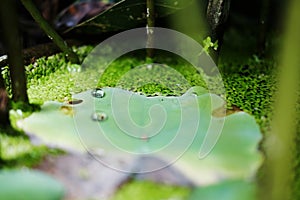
x=251 y=86
x=154 y=79
x=252 y=94
x=18 y=151
x=54 y=78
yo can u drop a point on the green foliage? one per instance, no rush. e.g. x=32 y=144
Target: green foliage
x=6 y=77
x=251 y=86
x=51 y=78
x=116 y=75
x=45 y=66
x=150 y=191
x=56 y=79
x=208 y=45
x=25 y=107
x=17 y=151
x=46 y=70
x=29 y=185
x=253 y=94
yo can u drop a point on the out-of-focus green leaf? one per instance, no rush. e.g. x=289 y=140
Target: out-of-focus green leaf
x=29 y=185
x=227 y=190
x=127 y=14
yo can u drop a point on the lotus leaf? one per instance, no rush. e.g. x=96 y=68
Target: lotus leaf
x=181 y=130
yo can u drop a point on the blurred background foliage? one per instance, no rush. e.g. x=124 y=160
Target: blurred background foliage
x=252 y=26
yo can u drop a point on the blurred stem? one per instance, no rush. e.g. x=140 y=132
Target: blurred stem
x=1 y=160
x=4 y=117
x=263 y=23
x=280 y=147
x=8 y=17
x=52 y=34
x=150 y=25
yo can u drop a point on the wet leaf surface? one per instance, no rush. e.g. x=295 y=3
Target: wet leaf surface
x=29 y=185
x=227 y=190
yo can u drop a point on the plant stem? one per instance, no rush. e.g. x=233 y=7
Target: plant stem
x=8 y=17
x=280 y=142
x=150 y=25
x=217 y=14
x=52 y=34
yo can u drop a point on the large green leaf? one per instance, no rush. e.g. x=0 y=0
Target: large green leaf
x=227 y=190
x=173 y=128
x=127 y=14
x=29 y=185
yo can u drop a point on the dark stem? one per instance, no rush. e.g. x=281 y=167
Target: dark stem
x=4 y=106
x=150 y=25
x=13 y=46
x=217 y=14
x=263 y=23
x=52 y=34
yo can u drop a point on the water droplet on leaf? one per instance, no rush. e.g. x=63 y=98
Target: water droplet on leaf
x=99 y=116
x=98 y=93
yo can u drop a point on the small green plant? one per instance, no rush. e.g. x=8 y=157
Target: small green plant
x=208 y=45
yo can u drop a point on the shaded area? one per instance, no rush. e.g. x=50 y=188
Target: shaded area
x=86 y=178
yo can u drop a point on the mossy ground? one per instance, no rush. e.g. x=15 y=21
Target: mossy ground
x=18 y=152
x=250 y=85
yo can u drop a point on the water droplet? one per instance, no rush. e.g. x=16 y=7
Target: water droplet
x=99 y=116
x=98 y=93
